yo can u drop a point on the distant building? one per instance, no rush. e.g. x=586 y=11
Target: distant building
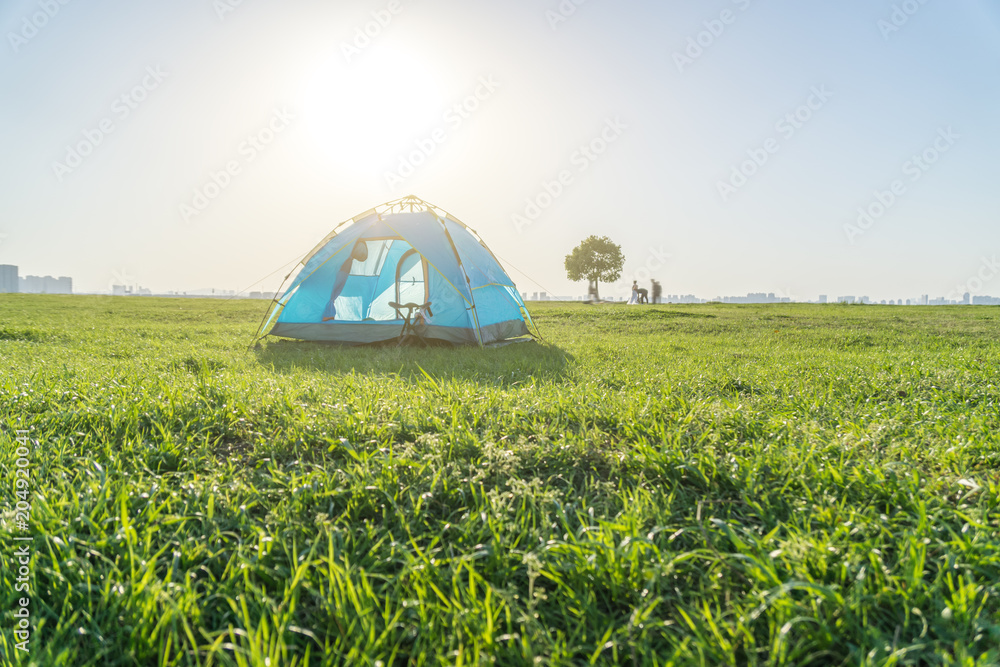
x=822 y=298
x=46 y=285
x=9 y=279
x=682 y=298
x=130 y=290
x=845 y=299
x=756 y=297
x=30 y=285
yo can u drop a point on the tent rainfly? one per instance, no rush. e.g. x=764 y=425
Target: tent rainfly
x=404 y=269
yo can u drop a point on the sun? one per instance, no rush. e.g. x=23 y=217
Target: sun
x=365 y=113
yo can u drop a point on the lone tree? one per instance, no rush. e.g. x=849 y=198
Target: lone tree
x=597 y=259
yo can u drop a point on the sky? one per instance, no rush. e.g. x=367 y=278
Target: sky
x=728 y=146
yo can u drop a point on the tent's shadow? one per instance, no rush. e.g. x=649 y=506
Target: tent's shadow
x=506 y=365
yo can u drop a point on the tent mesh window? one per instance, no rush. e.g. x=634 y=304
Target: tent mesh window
x=377 y=251
x=393 y=272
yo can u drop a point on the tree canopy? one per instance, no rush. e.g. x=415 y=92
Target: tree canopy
x=597 y=259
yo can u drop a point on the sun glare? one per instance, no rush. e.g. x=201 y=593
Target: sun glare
x=366 y=112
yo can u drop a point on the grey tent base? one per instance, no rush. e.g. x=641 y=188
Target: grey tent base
x=364 y=333
x=510 y=341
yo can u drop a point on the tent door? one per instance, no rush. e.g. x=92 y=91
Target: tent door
x=411 y=278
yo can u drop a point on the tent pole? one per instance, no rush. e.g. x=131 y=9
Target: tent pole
x=468 y=283
x=267 y=313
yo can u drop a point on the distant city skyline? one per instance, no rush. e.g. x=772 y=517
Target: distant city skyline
x=771 y=297
x=11 y=282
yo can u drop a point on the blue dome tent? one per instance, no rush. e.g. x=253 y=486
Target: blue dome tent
x=404 y=270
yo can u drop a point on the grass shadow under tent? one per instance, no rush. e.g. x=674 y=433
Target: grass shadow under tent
x=506 y=365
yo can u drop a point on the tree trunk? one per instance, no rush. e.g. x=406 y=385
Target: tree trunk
x=592 y=288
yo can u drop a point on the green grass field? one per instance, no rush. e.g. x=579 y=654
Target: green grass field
x=689 y=485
